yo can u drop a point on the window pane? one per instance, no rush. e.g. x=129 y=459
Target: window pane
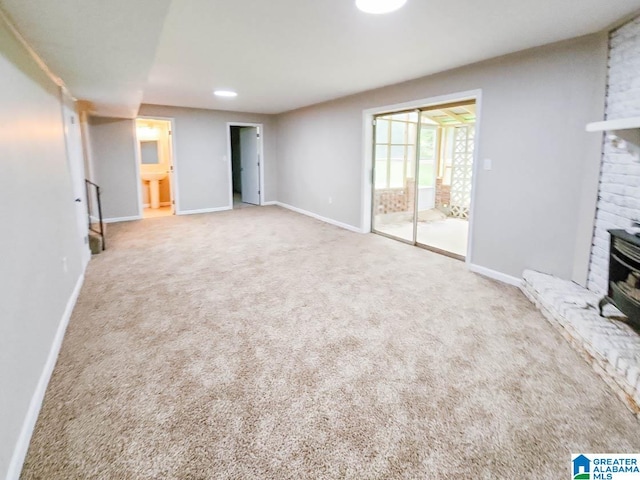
x=398 y=130
x=397 y=152
x=412 y=137
x=411 y=161
x=396 y=179
x=428 y=143
x=382 y=131
x=381 y=174
x=382 y=152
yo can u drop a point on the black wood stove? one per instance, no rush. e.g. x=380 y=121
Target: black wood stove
x=624 y=275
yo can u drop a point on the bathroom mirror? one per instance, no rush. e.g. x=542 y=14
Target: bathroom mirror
x=149 y=152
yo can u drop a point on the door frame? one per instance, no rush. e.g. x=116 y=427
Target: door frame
x=260 y=127
x=368 y=152
x=174 y=184
x=68 y=107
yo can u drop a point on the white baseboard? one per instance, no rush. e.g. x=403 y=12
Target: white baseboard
x=203 y=210
x=495 y=275
x=121 y=219
x=29 y=423
x=321 y=218
x=266 y=204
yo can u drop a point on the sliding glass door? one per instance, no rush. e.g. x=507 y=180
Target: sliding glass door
x=423 y=165
x=394 y=178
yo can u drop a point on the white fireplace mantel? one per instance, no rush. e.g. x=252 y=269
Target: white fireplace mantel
x=624 y=133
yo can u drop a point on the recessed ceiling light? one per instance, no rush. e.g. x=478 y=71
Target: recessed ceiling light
x=225 y=93
x=379 y=6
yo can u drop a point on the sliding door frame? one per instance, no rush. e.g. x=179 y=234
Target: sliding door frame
x=368 y=180
x=373 y=181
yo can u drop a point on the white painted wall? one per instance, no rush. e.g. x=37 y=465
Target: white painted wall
x=40 y=263
x=115 y=166
x=535 y=207
x=202 y=161
x=619 y=195
x=201 y=158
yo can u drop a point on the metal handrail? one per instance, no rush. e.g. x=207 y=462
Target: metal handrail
x=88 y=185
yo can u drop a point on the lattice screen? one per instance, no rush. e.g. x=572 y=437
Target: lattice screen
x=462 y=170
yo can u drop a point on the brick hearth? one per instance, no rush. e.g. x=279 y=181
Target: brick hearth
x=609 y=345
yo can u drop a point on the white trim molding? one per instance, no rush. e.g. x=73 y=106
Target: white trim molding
x=260 y=127
x=174 y=183
x=137 y=162
x=29 y=423
x=495 y=275
x=204 y=210
x=266 y=204
x=121 y=219
x=346 y=226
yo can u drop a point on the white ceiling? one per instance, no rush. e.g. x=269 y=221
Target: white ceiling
x=280 y=54
x=102 y=50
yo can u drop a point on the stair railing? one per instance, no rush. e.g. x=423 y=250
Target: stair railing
x=93 y=188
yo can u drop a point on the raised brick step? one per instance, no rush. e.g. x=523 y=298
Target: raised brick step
x=609 y=345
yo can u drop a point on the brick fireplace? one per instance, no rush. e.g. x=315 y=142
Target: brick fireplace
x=607 y=342
x=619 y=190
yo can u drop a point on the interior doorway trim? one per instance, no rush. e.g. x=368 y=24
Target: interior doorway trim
x=367 y=153
x=260 y=128
x=74 y=151
x=137 y=160
x=175 y=183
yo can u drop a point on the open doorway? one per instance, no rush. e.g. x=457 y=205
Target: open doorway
x=423 y=166
x=245 y=145
x=155 y=151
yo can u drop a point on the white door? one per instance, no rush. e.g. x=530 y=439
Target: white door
x=75 y=159
x=250 y=165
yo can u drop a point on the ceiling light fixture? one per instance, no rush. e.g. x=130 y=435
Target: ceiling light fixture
x=379 y=6
x=225 y=93
x=147 y=133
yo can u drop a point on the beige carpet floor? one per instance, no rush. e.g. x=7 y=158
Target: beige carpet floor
x=261 y=344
